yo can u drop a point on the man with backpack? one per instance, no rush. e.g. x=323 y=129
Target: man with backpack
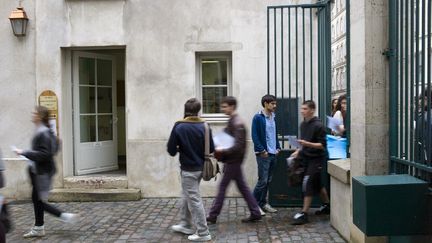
x=187 y=138
x=233 y=158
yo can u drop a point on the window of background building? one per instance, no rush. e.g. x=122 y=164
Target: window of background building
x=214 y=81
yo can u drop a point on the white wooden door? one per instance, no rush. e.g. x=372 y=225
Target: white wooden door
x=95 y=114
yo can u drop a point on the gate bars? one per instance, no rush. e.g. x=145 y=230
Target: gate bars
x=298 y=61
x=410 y=88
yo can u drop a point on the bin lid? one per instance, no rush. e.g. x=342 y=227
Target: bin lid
x=388 y=180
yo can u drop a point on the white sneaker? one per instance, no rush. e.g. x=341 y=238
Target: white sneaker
x=69 y=218
x=196 y=237
x=269 y=209
x=262 y=212
x=35 y=231
x=182 y=229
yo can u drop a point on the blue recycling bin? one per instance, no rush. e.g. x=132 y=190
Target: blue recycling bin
x=336 y=147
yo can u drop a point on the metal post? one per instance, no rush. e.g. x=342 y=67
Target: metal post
x=348 y=73
x=401 y=76
x=429 y=89
x=422 y=75
x=275 y=51
x=416 y=64
x=282 y=72
x=289 y=58
x=311 y=53
x=393 y=80
x=268 y=50
x=304 y=55
x=296 y=31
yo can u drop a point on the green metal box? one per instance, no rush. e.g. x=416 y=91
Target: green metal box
x=390 y=205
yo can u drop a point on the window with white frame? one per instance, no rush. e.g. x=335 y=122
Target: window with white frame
x=214 y=81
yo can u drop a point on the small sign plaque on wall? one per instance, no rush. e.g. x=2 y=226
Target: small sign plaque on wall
x=49 y=99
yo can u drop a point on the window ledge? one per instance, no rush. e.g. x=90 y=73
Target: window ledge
x=215 y=118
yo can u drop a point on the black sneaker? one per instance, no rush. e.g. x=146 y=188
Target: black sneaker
x=324 y=209
x=300 y=218
x=251 y=219
x=211 y=220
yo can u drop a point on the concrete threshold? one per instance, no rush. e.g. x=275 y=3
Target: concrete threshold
x=93 y=195
x=98 y=181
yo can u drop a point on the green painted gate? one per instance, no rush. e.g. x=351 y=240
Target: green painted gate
x=298 y=69
x=410 y=102
x=410 y=88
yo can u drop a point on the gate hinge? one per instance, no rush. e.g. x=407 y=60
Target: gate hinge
x=389 y=52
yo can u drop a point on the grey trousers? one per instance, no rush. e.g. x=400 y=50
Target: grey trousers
x=192 y=210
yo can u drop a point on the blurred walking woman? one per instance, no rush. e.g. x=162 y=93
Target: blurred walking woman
x=41 y=169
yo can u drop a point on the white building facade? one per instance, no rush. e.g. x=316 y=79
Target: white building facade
x=121 y=71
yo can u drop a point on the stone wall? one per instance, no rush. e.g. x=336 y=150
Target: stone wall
x=160 y=39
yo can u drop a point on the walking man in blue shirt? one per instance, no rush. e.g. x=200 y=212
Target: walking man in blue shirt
x=266 y=146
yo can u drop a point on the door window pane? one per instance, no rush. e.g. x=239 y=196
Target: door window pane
x=87 y=100
x=104 y=72
x=104 y=100
x=88 y=128
x=214 y=71
x=105 y=128
x=86 y=71
x=212 y=97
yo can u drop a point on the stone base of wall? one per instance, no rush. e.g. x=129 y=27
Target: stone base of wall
x=17 y=182
x=341 y=204
x=340 y=197
x=340 y=207
x=357 y=236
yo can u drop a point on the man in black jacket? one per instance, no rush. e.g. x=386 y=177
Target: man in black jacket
x=233 y=158
x=187 y=138
x=313 y=154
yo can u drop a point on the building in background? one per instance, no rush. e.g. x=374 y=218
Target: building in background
x=338 y=47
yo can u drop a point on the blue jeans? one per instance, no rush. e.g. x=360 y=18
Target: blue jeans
x=265 y=173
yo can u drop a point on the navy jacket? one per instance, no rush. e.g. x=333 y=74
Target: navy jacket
x=259 y=133
x=187 y=138
x=42 y=152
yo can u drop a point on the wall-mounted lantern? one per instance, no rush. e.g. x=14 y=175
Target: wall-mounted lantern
x=19 y=20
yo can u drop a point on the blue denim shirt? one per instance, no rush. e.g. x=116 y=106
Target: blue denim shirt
x=271 y=133
x=259 y=133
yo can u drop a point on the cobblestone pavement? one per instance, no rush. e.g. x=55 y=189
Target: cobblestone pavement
x=149 y=220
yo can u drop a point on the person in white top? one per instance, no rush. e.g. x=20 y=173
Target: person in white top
x=333 y=106
x=341 y=114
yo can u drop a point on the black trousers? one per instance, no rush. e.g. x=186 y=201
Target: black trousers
x=39 y=205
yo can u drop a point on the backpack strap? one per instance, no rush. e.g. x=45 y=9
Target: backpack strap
x=206 y=140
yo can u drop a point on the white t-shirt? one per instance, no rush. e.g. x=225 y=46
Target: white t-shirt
x=338 y=115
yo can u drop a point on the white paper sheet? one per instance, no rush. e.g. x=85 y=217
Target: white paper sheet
x=223 y=140
x=14 y=149
x=294 y=142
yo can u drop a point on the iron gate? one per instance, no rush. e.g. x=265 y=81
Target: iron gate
x=298 y=61
x=410 y=88
x=298 y=69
